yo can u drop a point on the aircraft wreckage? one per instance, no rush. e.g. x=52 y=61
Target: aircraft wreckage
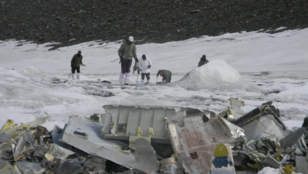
x=157 y=140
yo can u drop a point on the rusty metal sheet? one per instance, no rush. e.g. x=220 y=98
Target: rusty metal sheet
x=196 y=142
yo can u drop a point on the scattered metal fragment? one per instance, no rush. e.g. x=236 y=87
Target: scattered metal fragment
x=94 y=144
x=196 y=142
x=292 y=138
x=234 y=111
x=269 y=141
x=29 y=167
x=170 y=166
x=145 y=121
x=95 y=117
x=4 y=137
x=146 y=157
x=94 y=165
x=157 y=140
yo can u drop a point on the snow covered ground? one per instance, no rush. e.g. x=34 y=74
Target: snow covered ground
x=256 y=67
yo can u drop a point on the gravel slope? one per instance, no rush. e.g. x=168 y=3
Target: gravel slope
x=73 y=21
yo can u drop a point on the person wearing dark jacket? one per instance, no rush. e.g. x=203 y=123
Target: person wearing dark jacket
x=203 y=61
x=75 y=64
x=166 y=74
x=126 y=52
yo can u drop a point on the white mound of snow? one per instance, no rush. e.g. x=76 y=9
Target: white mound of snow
x=216 y=74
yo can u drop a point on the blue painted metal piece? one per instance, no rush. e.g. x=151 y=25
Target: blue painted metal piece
x=220 y=162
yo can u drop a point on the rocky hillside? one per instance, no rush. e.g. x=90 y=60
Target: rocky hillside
x=75 y=21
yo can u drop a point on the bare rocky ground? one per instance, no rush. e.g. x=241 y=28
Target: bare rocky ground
x=73 y=21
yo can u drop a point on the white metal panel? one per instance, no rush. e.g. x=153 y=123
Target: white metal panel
x=92 y=143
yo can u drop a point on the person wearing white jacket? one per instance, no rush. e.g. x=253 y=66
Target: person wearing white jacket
x=145 y=68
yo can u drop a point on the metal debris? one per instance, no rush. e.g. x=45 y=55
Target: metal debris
x=203 y=145
x=145 y=157
x=157 y=140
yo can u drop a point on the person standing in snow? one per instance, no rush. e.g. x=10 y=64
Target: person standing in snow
x=166 y=74
x=145 y=67
x=75 y=64
x=126 y=52
x=203 y=61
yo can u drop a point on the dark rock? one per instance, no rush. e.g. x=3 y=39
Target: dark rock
x=148 y=21
x=194 y=11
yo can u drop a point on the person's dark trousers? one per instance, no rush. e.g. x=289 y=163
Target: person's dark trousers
x=74 y=69
x=305 y=123
x=145 y=75
x=125 y=65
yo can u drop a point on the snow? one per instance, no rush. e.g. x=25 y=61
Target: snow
x=253 y=66
x=266 y=170
x=216 y=74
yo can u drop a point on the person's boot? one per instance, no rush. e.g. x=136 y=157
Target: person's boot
x=148 y=81
x=121 y=77
x=142 y=81
x=78 y=76
x=126 y=78
x=73 y=76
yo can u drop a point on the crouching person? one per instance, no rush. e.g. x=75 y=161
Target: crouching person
x=145 y=64
x=166 y=74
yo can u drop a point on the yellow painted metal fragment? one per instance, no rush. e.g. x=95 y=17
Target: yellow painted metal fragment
x=125 y=151
x=151 y=132
x=139 y=132
x=221 y=151
x=9 y=123
x=48 y=155
x=5 y=168
x=255 y=166
x=288 y=169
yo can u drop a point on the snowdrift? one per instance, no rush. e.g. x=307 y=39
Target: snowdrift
x=215 y=75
